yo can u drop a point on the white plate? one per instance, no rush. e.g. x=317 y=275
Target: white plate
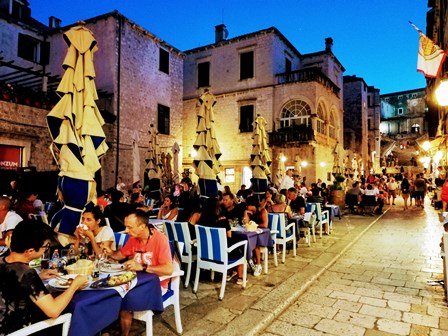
x=56 y=283
x=112 y=268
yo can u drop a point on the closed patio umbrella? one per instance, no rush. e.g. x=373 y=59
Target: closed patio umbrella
x=135 y=158
x=153 y=165
x=260 y=158
x=75 y=126
x=176 y=149
x=206 y=162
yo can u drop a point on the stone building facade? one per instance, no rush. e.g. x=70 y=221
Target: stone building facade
x=404 y=114
x=139 y=82
x=262 y=73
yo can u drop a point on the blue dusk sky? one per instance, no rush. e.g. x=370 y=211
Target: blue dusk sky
x=372 y=39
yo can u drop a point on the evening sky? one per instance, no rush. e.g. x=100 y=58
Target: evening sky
x=372 y=38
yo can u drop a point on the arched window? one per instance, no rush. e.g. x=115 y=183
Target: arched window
x=331 y=126
x=295 y=112
x=320 y=121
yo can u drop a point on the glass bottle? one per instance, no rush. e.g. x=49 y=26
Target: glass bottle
x=71 y=255
x=55 y=259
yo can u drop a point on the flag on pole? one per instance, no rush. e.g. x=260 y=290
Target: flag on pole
x=430 y=56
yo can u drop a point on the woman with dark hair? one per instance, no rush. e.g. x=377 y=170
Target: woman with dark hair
x=93 y=230
x=168 y=210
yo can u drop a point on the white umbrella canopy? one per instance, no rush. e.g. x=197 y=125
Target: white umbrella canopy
x=260 y=158
x=75 y=126
x=281 y=168
x=206 y=162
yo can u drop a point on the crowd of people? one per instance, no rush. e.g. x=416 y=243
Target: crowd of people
x=119 y=209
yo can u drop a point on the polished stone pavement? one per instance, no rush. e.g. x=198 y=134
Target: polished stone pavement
x=370 y=277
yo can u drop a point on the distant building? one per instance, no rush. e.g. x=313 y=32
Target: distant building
x=361 y=123
x=403 y=114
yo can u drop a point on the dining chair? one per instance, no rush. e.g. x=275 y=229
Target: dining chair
x=171 y=297
x=62 y=319
x=309 y=219
x=106 y=219
x=120 y=239
x=213 y=254
x=286 y=233
x=179 y=232
x=273 y=228
x=322 y=217
x=39 y=217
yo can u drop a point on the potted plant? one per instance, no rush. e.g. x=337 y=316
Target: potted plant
x=337 y=193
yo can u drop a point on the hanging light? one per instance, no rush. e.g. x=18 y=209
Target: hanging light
x=442 y=93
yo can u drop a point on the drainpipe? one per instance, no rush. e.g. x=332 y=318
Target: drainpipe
x=120 y=28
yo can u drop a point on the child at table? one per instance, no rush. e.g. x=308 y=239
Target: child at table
x=24 y=297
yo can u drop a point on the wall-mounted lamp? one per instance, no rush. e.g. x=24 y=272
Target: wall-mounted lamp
x=304 y=163
x=193 y=153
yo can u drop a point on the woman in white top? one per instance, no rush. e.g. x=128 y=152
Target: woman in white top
x=94 y=230
x=168 y=210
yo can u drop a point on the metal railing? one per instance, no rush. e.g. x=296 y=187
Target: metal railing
x=313 y=74
x=296 y=133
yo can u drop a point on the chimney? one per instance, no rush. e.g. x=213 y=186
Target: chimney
x=221 y=33
x=328 y=44
x=54 y=22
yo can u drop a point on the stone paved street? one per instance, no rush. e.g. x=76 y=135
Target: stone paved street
x=379 y=286
x=368 y=278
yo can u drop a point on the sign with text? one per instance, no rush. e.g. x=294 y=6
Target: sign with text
x=10 y=157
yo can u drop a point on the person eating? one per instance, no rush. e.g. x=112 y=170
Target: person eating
x=147 y=250
x=24 y=298
x=93 y=231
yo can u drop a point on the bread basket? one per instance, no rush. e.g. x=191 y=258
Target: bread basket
x=251 y=226
x=83 y=267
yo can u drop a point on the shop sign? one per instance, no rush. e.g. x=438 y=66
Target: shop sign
x=10 y=157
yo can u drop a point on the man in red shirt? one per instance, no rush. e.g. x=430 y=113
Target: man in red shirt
x=147 y=250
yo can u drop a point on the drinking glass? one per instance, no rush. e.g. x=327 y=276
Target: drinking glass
x=45 y=261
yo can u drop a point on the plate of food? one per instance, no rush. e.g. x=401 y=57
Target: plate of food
x=63 y=281
x=109 y=267
x=115 y=280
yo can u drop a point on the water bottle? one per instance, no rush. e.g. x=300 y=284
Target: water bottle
x=55 y=259
x=71 y=255
x=83 y=254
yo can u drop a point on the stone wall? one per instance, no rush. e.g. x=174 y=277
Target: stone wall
x=26 y=127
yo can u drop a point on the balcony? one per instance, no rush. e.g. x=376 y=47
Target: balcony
x=308 y=75
x=294 y=134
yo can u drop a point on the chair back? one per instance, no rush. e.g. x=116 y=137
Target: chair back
x=369 y=200
x=120 y=239
x=178 y=231
x=212 y=244
x=63 y=319
x=281 y=225
x=273 y=219
x=310 y=207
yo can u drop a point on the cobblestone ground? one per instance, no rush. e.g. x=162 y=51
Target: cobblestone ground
x=383 y=285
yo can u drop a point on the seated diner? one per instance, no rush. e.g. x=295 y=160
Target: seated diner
x=24 y=298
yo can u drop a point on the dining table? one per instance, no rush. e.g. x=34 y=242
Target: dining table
x=94 y=309
x=261 y=237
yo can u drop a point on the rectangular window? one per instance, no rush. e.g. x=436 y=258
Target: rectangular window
x=203 y=74
x=164 y=61
x=369 y=126
x=30 y=49
x=229 y=175
x=288 y=65
x=246 y=65
x=246 y=118
x=163 y=119
x=400 y=110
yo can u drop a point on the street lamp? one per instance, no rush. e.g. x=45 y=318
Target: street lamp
x=442 y=93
